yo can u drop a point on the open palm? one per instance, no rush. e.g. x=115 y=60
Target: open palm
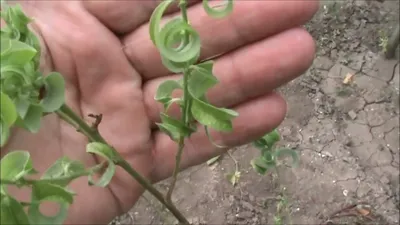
x=111 y=68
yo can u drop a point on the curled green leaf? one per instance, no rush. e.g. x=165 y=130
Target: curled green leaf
x=110 y=155
x=169 y=103
x=5 y=46
x=290 y=152
x=272 y=137
x=261 y=165
x=15 y=165
x=32 y=118
x=201 y=79
x=12 y=211
x=165 y=90
x=211 y=139
x=15 y=17
x=267 y=141
x=174 y=128
x=8 y=110
x=178 y=43
x=19 y=53
x=102 y=150
x=178 y=67
x=47 y=192
x=54 y=92
x=218 y=13
x=4 y=133
x=155 y=19
x=175 y=32
x=63 y=171
x=106 y=178
x=211 y=116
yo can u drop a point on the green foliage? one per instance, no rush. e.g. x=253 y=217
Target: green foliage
x=110 y=155
x=270 y=154
x=27 y=95
x=24 y=89
x=16 y=167
x=197 y=80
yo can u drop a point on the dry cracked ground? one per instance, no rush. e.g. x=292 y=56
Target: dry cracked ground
x=347 y=137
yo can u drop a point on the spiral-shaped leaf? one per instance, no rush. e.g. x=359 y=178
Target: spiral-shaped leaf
x=178 y=43
x=218 y=13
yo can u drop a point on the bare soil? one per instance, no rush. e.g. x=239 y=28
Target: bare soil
x=347 y=137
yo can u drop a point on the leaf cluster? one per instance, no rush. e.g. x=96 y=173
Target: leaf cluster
x=52 y=186
x=270 y=154
x=26 y=95
x=197 y=78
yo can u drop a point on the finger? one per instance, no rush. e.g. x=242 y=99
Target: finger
x=122 y=16
x=248 y=72
x=249 y=22
x=256 y=118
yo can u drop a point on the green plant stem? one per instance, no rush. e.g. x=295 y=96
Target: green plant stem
x=185 y=113
x=72 y=118
x=171 y=207
x=69 y=116
x=181 y=144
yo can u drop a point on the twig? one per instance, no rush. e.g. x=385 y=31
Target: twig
x=68 y=115
x=185 y=114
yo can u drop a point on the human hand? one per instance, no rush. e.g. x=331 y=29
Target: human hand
x=111 y=67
